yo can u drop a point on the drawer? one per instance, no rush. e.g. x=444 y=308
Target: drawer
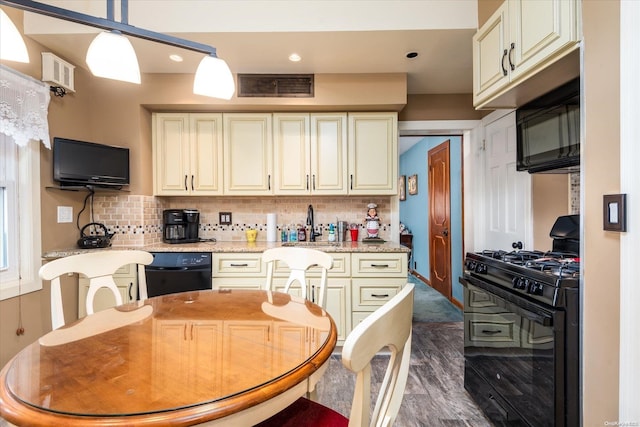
x=238 y=265
x=341 y=267
x=253 y=283
x=368 y=295
x=379 y=264
x=492 y=330
x=359 y=316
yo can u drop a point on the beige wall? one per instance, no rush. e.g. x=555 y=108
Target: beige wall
x=486 y=9
x=550 y=199
x=440 y=107
x=600 y=175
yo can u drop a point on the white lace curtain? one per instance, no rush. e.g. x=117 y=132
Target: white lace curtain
x=24 y=104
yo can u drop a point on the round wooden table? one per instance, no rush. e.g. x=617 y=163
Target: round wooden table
x=228 y=357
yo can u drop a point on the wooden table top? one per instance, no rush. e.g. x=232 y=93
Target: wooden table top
x=182 y=359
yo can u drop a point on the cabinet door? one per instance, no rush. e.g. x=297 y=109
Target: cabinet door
x=171 y=167
x=248 y=154
x=373 y=153
x=338 y=305
x=490 y=55
x=540 y=30
x=205 y=354
x=126 y=280
x=292 y=173
x=329 y=153
x=205 y=154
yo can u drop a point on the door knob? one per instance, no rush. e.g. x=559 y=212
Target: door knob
x=445 y=232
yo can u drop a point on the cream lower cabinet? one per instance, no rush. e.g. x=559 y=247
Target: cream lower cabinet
x=518 y=40
x=238 y=270
x=261 y=356
x=373 y=153
x=187 y=154
x=126 y=279
x=199 y=343
x=376 y=278
x=338 y=299
x=248 y=154
x=310 y=153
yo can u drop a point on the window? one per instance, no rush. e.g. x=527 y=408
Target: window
x=19 y=218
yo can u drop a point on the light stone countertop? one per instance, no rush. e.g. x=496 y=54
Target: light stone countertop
x=240 y=247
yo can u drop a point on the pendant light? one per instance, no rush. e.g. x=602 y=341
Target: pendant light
x=12 y=47
x=111 y=56
x=213 y=78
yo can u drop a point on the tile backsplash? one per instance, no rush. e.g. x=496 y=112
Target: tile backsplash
x=137 y=220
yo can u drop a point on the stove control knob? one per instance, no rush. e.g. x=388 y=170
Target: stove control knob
x=471 y=265
x=517 y=282
x=527 y=285
x=536 y=288
x=481 y=269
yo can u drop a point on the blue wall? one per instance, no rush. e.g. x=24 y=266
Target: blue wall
x=415 y=209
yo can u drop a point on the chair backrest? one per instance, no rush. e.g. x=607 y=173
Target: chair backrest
x=299 y=260
x=99 y=268
x=389 y=326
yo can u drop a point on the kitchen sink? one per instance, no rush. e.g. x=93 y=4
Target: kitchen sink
x=312 y=244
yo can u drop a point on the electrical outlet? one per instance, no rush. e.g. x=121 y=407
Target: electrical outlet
x=65 y=214
x=225 y=218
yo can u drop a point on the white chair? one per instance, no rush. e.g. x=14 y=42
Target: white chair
x=299 y=260
x=389 y=326
x=98 y=267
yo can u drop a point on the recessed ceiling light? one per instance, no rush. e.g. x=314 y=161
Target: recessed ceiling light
x=294 y=57
x=412 y=55
x=175 y=58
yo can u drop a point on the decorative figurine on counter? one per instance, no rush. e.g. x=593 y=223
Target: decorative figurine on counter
x=372 y=224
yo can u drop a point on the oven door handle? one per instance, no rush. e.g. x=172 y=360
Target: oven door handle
x=514 y=303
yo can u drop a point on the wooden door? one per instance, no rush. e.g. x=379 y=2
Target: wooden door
x=440 y=219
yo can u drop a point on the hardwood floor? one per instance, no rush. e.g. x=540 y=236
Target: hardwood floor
x=434 y=396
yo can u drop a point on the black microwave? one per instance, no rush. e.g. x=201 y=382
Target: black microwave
x=548 y=131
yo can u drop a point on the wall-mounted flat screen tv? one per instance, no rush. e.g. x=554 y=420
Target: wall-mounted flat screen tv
x=81 y=163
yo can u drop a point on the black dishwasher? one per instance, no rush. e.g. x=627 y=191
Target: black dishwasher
x=173 y=272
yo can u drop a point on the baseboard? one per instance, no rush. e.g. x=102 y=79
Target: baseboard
x=457 y=303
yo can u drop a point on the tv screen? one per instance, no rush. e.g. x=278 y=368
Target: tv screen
x=88 y=163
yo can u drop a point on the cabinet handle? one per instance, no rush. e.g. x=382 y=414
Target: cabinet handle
x=192 y=178
x=504 y=56
x=239 y=265
x=184 y=332
x=307 y=181
x=380 y=265
x=511 y=64
x=314 y=181
x=488 y=332
x=130 y=289
x=351 y=184
x=185 y=184
x=380 y=295
x=191 y=332
x=269 y=182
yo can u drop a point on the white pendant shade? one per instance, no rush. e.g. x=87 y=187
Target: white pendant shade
x=12 y=47
x=111 y=56
x=213 y=78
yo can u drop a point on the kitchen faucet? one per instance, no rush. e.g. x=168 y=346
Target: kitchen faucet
x=312 y=232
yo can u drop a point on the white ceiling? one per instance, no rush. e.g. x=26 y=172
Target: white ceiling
x=253 y=36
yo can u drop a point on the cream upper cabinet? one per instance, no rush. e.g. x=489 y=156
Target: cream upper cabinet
x=521 y=38
x=310 y=152
x=248 y=154
x=187 y=152
x=373 y=153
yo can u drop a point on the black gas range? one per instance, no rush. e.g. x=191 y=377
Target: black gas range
x=522 y=347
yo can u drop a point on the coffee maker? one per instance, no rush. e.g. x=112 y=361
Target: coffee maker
x=180 y=225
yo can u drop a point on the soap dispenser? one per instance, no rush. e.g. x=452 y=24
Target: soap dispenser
x=332 y=233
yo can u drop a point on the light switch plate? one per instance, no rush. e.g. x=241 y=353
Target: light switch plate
x=65 y=214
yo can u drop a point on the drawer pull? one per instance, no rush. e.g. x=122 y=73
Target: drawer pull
x=380 y=295
x=239 y=265
x=380 y=265
x=488 y=332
